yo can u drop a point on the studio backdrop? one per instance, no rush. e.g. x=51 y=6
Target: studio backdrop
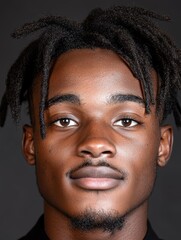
x=20 y=202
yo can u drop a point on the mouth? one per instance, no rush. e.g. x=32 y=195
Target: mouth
x=96 y=178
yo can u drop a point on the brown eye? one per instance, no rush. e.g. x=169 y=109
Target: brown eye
x=126 y=122
x=65 y=122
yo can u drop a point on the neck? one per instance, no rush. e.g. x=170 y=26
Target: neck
x=58 y=226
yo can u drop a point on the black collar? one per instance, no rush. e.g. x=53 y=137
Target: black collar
x=151 y=235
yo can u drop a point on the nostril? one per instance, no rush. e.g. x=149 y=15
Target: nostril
x=107 y=152
x=85 y=152
x=96 y=153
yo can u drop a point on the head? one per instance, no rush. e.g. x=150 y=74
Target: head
x=98 y=94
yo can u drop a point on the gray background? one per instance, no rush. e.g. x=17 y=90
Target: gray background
x=20 y=203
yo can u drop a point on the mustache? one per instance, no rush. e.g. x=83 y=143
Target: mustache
x=99 y=163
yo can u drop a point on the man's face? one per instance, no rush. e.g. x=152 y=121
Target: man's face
x=101 y=149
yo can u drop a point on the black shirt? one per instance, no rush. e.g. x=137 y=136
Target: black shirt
x=38 y=233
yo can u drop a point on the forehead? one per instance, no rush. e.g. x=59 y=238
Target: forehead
x=97 y=69
x=91 y=72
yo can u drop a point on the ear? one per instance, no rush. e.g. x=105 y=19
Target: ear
x=28 y=144
x=166 y=143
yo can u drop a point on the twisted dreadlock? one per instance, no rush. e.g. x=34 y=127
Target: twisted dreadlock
x=128 y=31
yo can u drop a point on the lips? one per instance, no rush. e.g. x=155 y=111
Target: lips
x=96 y=178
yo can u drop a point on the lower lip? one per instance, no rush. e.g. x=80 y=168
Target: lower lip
x=96 y=183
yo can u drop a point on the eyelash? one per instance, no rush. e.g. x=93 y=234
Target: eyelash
x=122 y=122
x=57 y=122
x=129 y=120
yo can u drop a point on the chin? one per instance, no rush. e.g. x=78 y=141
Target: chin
x=108 y=220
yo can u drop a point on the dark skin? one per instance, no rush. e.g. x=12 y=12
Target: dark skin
x=96 y=113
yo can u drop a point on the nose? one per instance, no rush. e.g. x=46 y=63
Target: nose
x=95 y=144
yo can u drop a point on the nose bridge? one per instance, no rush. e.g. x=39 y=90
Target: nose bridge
x=96 y=129
x=96 y=141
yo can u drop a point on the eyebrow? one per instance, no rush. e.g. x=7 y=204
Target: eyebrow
x=119 y=98
x=69 y=98
x=112 y=99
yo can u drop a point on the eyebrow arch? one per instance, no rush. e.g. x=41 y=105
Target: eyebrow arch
x=118 y=98
x=69 y=98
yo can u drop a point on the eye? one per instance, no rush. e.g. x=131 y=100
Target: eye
x=126 y=122
x=65 y=122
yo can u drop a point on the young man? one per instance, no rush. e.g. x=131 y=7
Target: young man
x=98 y=94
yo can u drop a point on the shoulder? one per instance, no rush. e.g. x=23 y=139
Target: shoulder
x=37 y=232
x=151 y=235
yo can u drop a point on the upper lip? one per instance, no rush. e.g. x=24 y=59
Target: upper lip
x=96 y=172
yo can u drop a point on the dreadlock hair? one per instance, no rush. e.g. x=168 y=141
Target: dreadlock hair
x=128 y=31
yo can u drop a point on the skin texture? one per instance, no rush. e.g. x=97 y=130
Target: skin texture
x=96 y=129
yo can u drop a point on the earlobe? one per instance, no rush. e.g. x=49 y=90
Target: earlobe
x=166 y=143
x=28 y=144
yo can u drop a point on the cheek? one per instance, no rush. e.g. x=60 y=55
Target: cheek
x=138 y=157
x=49 y=165
x=53 y=160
